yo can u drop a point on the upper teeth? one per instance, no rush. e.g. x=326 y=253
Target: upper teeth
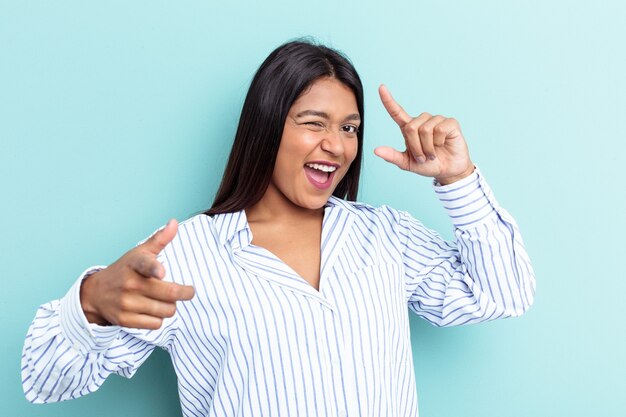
x=324 y=168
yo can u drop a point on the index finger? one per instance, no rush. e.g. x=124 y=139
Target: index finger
x=396 y=111
x=168 y=291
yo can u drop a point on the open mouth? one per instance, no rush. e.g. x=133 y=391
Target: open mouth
x=320 y=175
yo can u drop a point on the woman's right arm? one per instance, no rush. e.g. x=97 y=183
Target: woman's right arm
x=109 y=322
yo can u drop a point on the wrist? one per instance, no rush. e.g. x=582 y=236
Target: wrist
x=454 y=178
x=87 y=289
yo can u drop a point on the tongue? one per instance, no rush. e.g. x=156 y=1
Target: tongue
x=317 y=175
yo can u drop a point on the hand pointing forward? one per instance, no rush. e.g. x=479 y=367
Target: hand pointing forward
x=130 y=292
x=435 y=146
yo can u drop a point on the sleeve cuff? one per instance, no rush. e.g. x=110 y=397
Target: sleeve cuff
x=468 y=202
x=84 y=336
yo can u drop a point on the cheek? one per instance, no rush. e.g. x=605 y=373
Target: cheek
x=297 y=145
x=286 y=153
x=351 y=150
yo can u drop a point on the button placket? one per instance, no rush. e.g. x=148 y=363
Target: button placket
x=337 y=366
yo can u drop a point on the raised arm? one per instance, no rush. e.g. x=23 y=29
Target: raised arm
x=485 y=274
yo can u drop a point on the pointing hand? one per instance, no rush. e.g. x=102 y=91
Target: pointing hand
x=435 y=146
x=130 y=292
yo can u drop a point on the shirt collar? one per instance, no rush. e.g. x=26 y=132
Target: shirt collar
x=349 y=206
x=228 y=225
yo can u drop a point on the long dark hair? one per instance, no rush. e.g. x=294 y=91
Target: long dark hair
x=280 y=80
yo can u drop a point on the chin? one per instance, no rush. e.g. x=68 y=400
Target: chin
x=313 y=203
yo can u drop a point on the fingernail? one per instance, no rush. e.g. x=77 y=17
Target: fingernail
x=420 y=159
x=432 y=157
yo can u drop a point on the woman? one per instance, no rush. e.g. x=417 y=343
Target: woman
x=292 y=299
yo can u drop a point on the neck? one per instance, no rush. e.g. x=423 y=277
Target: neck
x=276 y=208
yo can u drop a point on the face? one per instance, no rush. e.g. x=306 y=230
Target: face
x=318 y=145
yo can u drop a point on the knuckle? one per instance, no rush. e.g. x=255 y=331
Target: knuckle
x=123 y=320
x=125 y=303
x=417 y=152
x=149 y=266
x=410 y=128
x=154 y=324
x=138 y=266
x=144 y=260
x=169 y=310
x=173 y=292
x=414 y=124
x=425 y=114
x=129 y=284
x=140 y=263
x=126 y=284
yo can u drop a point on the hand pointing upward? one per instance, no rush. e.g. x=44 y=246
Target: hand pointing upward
x=130 y=292
x=435 y=146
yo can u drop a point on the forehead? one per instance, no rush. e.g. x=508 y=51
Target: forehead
x=328 y=95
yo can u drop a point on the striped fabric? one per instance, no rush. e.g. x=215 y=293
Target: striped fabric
x=258 y=340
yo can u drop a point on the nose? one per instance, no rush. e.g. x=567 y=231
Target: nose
x=333 y=143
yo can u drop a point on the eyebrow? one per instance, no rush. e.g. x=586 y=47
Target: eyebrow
x=351 y=117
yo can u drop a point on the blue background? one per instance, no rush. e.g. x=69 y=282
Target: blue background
x=115 y=116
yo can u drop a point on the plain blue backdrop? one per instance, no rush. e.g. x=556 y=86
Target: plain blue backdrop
x=115 y=116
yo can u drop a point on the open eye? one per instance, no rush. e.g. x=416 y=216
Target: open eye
x=352 y=129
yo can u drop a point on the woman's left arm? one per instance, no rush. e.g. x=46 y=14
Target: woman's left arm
x=485 y=274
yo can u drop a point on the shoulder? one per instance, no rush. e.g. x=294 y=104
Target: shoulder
x=368 y=212
x=194 y=224
x=193 y=233
x=195 y=245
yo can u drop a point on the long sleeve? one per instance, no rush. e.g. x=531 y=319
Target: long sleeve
x=66 y=357
x=485 y=274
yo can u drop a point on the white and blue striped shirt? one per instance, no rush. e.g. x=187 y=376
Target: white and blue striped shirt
x=258 y=340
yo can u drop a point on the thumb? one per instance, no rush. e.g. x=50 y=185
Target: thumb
x=162 y=237
x=392 y=156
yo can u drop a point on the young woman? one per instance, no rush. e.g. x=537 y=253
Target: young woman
x=287 y=297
